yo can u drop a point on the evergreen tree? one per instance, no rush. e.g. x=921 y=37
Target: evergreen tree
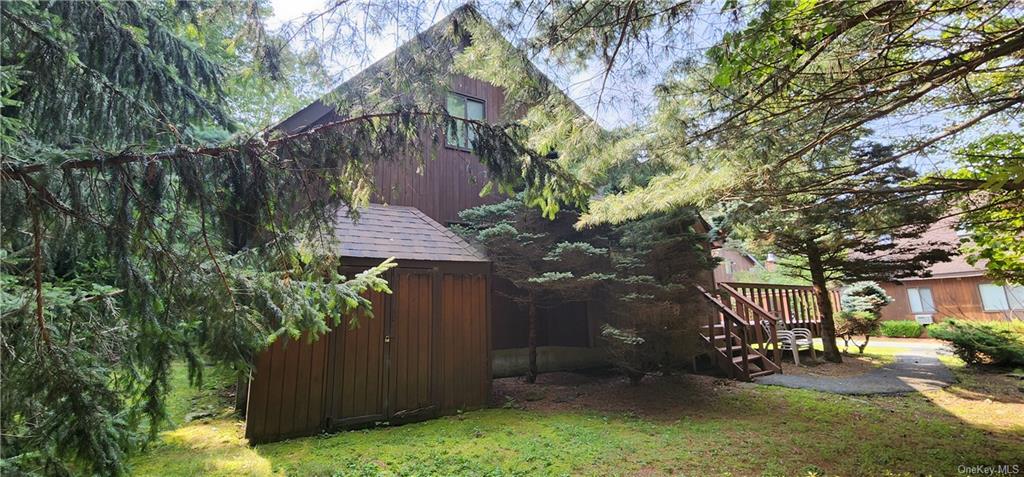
x=134 y=234
x=840 y=65
x=866 y=230
x=641 y=275
x=546 y=262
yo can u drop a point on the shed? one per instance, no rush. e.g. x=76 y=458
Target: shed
x=426 y=352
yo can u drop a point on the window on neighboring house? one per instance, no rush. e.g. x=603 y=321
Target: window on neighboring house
x=885 y=239
x=999 y=298
x=728 y=267
x=921 y=300
x=461 y=134
x=1016 y=296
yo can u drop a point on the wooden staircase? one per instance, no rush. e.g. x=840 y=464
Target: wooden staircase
x=729 y=336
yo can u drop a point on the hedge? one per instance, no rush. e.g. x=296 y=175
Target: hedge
x=901 y=329
x=995 y=343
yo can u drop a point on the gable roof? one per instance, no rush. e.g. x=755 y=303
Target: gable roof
x=384 y=231
x=441 y=49
x=944 y=232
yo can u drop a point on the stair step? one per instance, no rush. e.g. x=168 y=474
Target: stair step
x=750 y=357
x=735 y=349
x=762 y=373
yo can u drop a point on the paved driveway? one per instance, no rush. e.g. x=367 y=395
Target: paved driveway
x=914 y=371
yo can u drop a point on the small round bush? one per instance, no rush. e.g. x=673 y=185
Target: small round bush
x=866 y=297
x=850 y=324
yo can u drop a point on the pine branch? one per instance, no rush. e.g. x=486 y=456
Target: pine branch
x=37 y=275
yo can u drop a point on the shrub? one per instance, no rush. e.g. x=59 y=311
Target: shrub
x=1000 y=344
x=902 y=329
x=857 y=323
x=866 y=297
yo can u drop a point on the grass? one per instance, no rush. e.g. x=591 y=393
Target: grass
x=718 y=429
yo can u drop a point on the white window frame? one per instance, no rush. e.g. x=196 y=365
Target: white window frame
x=1012 y=298
x=914 y=296
x=1015 y=296
x=460 y=135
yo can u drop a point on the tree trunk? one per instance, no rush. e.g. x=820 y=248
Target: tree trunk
x=241 y=395
x=865 y=345
x=531 y=343
x=820 y=284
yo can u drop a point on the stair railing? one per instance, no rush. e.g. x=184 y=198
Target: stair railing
x=754 y=313
x=730 y=320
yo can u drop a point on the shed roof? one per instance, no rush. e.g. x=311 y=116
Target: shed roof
x=383 y=231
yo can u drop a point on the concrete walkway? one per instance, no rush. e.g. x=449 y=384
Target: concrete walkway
x=911 y=372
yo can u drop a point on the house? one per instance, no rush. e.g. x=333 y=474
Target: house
x=733 y=261
x=450 y=180
x=954 y=289
x=352 y=378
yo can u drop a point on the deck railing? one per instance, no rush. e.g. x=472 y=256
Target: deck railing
x=760 y=322
x=794 y=306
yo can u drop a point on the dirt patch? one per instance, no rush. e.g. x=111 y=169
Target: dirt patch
x=852 y=365
x=656 y=396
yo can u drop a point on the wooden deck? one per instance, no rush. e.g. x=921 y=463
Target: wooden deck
x=741 y=335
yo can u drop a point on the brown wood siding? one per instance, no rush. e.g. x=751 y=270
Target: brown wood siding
x=953 y=297
x=425 y=351
x=466 y=378
x=296 y=366
x=740 y=263
x=356 y=374
x=452 y=180
x=411 y=341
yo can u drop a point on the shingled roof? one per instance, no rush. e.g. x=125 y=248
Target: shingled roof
x=437 y=55
x=944 y=232
x=383 y=231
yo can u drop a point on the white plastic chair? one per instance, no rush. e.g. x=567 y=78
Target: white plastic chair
x=793 y=340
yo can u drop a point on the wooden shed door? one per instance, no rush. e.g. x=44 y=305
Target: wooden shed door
x=356 y=368
x=381 y=369
x=410 y=336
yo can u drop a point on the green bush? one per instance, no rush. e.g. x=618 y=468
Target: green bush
x=850 y=324
x=995 y=343
x=866 y=297
x=901 y=329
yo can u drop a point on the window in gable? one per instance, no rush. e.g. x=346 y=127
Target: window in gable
x=462 y=134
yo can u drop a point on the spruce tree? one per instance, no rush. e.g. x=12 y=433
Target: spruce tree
x=547 y=262
x=143 y=223
x=867 y=228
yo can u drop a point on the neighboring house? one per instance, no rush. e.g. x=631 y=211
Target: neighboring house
x=733 y=261
x=954 y=289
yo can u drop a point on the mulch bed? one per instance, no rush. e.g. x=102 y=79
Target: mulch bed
x=852 y=365
x=606 y=391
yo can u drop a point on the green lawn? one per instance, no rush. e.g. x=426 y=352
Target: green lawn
x=710 y=427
